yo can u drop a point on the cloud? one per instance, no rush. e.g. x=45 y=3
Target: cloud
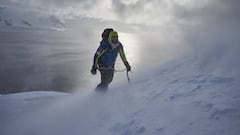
x=209 y=12
x=212 y=30
x=150 y=12
x=210 y=26
x=129 y=11
x=52 y=3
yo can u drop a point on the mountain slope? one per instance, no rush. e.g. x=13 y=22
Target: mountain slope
x=177 y=98
x=13 y=17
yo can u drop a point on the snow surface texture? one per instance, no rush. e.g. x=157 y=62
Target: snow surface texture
x=177 y=98
x=13 y=17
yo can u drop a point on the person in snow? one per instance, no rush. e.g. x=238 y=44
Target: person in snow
x=105 y=57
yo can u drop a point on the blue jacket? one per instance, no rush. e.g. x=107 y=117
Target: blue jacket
x=105 y=55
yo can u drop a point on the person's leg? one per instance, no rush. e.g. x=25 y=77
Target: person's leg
x=106 y=79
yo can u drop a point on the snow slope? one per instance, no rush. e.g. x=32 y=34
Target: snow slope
x=17 y=17
x=176 y=98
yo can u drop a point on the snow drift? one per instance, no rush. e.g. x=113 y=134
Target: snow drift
x=175 y=99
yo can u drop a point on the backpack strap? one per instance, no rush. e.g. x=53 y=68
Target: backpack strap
x=99 y=56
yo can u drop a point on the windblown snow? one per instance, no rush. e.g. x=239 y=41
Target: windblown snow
x=195 y=94
x=176 y=98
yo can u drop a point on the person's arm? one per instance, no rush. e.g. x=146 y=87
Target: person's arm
x=124 y=59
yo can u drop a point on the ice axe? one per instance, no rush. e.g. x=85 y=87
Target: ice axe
x=128 y=77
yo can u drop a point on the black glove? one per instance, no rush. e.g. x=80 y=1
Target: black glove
x=94 y=70
x=127 y=66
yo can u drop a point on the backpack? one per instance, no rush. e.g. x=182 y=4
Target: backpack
x=105 y=36
x=106 y=32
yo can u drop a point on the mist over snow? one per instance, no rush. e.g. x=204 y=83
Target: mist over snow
x=184 y=56
x=213 y=30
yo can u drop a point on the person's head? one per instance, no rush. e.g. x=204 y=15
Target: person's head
x=113 y=37
x=105 y=33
